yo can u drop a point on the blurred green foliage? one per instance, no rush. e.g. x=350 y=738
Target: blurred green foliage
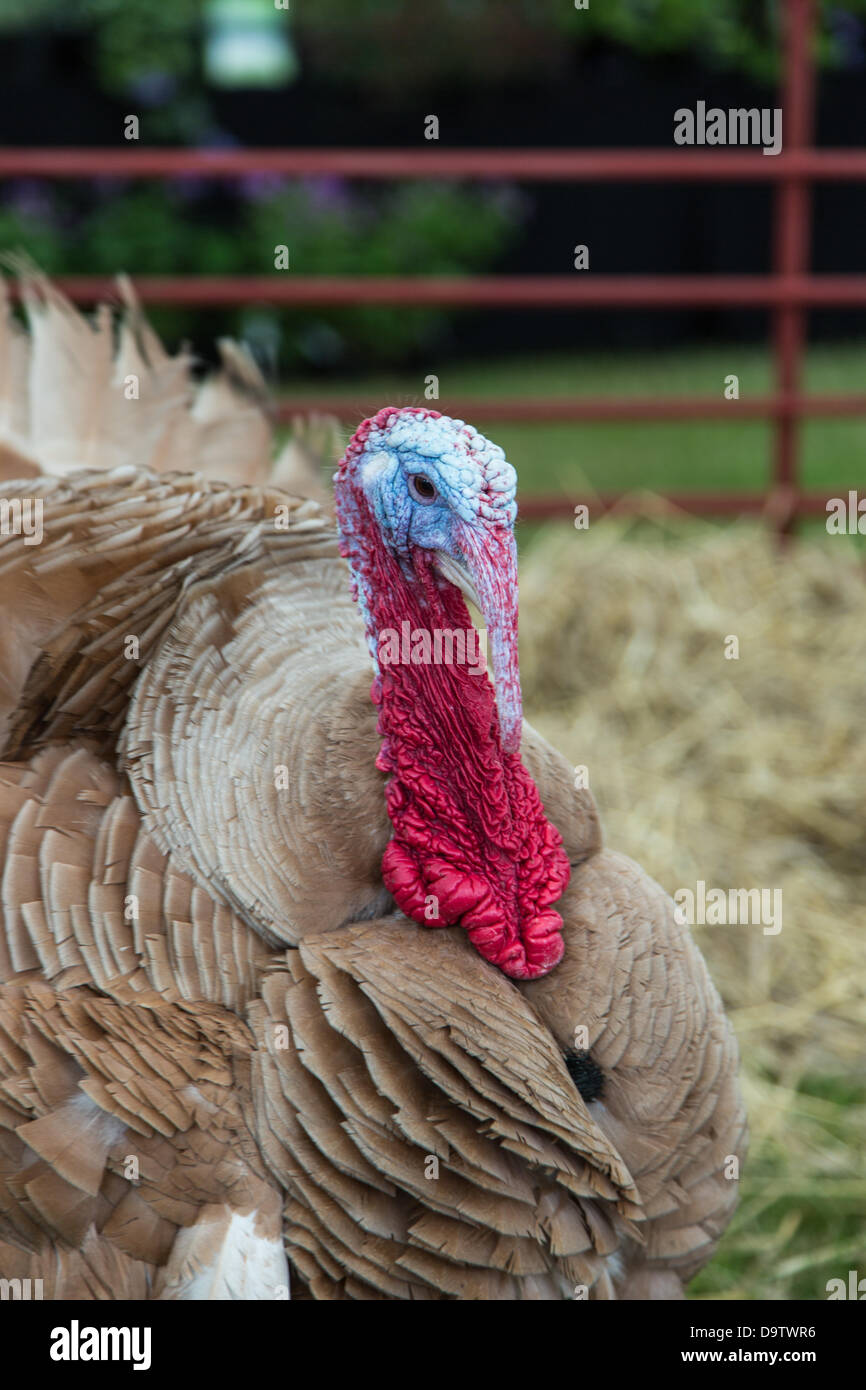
x=224 y=227
x=131 y=38
x=372 y=51
x=353 y=41
x=477 y=39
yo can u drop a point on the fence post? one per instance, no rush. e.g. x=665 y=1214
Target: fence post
x=791 y=251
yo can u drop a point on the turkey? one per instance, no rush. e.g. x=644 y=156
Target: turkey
x=314 y=973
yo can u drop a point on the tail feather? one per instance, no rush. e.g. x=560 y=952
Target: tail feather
x=81 y=393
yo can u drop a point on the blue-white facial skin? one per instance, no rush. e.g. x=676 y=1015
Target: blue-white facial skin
x=435 y=484
x=473 y=481
x=403 y=520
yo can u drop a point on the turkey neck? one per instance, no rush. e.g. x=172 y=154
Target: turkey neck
x=471 y=843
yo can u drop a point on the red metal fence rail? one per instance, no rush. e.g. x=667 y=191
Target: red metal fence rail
x=789 y=292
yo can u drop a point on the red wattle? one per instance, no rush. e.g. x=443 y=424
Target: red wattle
x=471 y=844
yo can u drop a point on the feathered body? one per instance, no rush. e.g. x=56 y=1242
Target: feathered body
x=228 y=1062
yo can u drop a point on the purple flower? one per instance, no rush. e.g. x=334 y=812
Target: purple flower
x=847 y=31
x=327 y=193
x=110 y=185
x=509 y=201
x=32 y=199
x=153 y=88
x=260 y=187
x=189 y=187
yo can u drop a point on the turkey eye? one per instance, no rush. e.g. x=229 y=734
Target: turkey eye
x=421 y=488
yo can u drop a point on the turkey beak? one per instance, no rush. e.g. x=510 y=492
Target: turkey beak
x=487 y=576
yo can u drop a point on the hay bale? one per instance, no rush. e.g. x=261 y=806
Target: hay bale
x=742 y=773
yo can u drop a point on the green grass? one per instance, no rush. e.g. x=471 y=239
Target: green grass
x=800 y=1223
x=664 y=456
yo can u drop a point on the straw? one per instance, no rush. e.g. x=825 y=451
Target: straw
x=743 y=773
